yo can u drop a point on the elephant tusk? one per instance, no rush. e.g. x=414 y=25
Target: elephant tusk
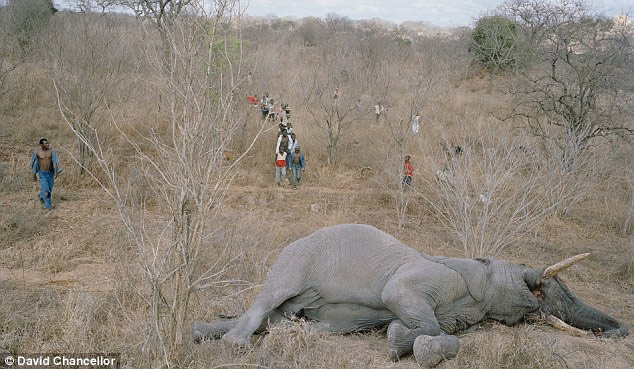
x=560 y=324
x=564 y=264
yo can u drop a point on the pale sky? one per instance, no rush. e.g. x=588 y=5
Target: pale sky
x=444 y=13
x=436 y=12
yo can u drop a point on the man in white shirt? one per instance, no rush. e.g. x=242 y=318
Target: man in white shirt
x=378 y=110
x=415 y=123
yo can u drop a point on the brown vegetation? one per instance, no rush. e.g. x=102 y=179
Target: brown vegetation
x=100 y=273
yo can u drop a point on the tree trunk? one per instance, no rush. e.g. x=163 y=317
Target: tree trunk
x=492 y=76
x=630 y=210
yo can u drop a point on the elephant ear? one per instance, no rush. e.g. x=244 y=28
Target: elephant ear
x=473 y=271
x=533 y=278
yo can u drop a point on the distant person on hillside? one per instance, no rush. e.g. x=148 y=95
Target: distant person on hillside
x=297 y=166
x=415 y=123
x=378 y=110
x=264 y=106
x=270 y=108
x=335 y=96
x=408 y=171
x=280 y=166
x=284 y=116
x=289 y=128
x=295 y=141
x=253 y=100
x=278 y=112
x=45 y=164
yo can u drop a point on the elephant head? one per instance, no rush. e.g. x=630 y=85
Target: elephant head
x=521 y=291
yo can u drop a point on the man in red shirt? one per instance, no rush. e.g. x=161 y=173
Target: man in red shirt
x=408 y=171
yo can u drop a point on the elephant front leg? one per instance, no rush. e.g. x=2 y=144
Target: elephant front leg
x=431 y=350
x=428 y=350
x=403 y=297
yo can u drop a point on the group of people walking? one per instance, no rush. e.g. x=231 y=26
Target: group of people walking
x=288 y=154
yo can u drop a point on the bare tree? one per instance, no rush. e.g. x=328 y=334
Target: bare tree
x=27 y=20
x=533 y=17
x=417 y=94
x=87 y=6
x=87 y=67
x=181 y=160
x=401 y=136
x=310 y=30
x=569 y=174
x=580 y=87
x=337 y=67
x=488 y=193
x=627 y=223
x=10 y=55
x=163 y=13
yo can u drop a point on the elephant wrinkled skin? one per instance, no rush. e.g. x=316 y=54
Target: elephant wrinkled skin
x=352 y=277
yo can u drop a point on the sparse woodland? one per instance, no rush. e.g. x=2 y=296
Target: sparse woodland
x=167 y=209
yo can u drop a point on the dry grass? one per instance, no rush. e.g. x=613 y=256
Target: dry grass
x=499 y=348
x=74 y=320
x=69 y=282
x=19 y=225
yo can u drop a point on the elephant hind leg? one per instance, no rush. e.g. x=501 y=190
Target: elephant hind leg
x=211 y=331
x=265 y=304
x=215 y=330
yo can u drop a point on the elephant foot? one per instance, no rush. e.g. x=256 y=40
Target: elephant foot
x=431 y=350
x=396 y=340
x=237 y=341
x=197 y=334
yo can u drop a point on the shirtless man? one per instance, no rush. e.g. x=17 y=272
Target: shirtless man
x=297 y=165
x=45 y=162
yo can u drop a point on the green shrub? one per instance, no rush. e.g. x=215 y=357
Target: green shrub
x=496 y=43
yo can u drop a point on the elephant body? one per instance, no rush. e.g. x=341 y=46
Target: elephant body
x=353 y=277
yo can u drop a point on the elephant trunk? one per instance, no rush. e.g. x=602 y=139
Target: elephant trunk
x=586 y=317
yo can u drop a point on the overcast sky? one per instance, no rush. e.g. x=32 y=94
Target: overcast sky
x=445 y=13
x=436 y=12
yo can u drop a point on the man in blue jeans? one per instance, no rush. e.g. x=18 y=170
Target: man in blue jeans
x=297 y=165
x=45 y=163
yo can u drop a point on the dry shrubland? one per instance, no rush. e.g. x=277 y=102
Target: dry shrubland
x=154 y=226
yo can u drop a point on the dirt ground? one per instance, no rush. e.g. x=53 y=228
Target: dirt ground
x=71 y=252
